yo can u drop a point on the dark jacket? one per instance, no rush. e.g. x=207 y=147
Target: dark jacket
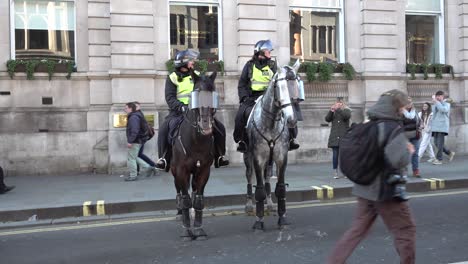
x=134 y=129
x=340 y=124
x=396 y=153
x=171 y=95
x=244 y=90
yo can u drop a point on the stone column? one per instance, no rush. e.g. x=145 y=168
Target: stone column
x=317 y=39
x=382 y=47
x=257 y=20
x=5 y=33
x=333 y=52
x=462 y=24
x=327 y=48
x=132 y=73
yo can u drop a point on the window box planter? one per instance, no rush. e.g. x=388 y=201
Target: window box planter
x=30 y=66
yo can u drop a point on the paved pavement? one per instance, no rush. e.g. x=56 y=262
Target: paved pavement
x=59 y=196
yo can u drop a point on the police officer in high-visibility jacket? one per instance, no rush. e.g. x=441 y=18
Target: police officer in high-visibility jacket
x=179 y=86
x=253 y=83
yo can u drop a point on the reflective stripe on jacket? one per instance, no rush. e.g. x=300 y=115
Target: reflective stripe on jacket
x=261 y=78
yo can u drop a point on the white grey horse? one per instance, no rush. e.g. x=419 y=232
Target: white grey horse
x=268 y=137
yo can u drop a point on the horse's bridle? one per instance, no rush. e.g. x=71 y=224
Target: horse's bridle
x=269 y=114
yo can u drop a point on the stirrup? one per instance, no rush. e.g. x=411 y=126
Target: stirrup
x=160 y=166
x=242 y=147
x=221 y=162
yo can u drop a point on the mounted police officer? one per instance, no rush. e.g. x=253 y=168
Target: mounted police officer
x=179 y=85
x=253 y=83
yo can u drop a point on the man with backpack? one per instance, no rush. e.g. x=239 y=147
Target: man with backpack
x=379 y=191
x=136 y=137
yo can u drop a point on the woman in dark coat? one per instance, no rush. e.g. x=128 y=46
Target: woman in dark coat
x=339 y=116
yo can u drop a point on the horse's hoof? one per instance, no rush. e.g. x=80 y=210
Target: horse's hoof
x=258 y=226
x=199 y=234
x=249 y=209
x=283 y=222
x=186 y=234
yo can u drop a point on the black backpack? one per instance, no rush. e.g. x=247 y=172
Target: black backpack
x=146 y=131
x=361 y=156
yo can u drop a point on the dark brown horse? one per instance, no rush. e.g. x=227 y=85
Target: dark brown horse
x=192 y=154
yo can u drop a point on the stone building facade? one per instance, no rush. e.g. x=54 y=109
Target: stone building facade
x=121 y=48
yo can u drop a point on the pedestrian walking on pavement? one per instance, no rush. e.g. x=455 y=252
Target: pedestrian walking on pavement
x=141 y=153
x=339 y=115
x=441 y=126
x=426 y=132
x=4 y=188
x=411 y=124
x=385 y=195
x=136 y=136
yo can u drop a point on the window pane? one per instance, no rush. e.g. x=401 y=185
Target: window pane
x=423 y=5
x=315 y=3
x=422 y=44
x=194 y=27
x=313 y=35
x=44 y=28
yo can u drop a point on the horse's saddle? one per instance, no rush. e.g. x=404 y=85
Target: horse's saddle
x=253 y=107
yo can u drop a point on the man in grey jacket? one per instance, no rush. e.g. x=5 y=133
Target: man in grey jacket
x=383 y=196
x=440 y=126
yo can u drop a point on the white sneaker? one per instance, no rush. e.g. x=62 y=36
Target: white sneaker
x=437 y=162
x=336 y=175
x=452 y=154
x=431 y=160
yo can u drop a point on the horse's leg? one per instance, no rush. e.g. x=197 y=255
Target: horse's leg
x=268 y=174
x=248 y=174
x=182 y=178
x=280 y=192
x=200 y=179
x=260 y=195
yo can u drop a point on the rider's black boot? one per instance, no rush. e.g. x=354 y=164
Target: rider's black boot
x=293 y=144
x=161 y=164
x=242 y=147
x=221 y=161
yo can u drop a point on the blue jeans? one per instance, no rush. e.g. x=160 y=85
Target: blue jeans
x=335 y=157
x=142 y=156
x=415 y=156
x=439 y=141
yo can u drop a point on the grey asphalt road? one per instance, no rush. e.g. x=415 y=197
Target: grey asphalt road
x=442 y=237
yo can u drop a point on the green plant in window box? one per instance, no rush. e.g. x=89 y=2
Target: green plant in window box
x=348 y=71
x=201 y=66
x=325 y=70
x=411 y=68
x=425 y=70
x=11 y=66
x=438 y=70
x=310 y=70
x=50 y=67
x=70 y=68
x=221 y=67
x=170 y=66
x=30 y=67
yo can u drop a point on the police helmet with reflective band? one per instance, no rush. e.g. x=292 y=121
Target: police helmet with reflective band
x=183 y=57
x=204 y=99
x=263 y=45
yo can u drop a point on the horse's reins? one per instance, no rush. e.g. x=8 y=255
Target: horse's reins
x=193 y=124
x=272 y=142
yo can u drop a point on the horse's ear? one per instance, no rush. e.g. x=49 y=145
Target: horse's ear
x=296 y=65
x=213 y=76
x=195 y=76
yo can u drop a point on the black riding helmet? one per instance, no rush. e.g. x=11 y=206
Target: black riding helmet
x=184 y=56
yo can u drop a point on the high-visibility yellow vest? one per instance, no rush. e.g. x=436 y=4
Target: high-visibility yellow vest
x=184 y=88
x=261 y=78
